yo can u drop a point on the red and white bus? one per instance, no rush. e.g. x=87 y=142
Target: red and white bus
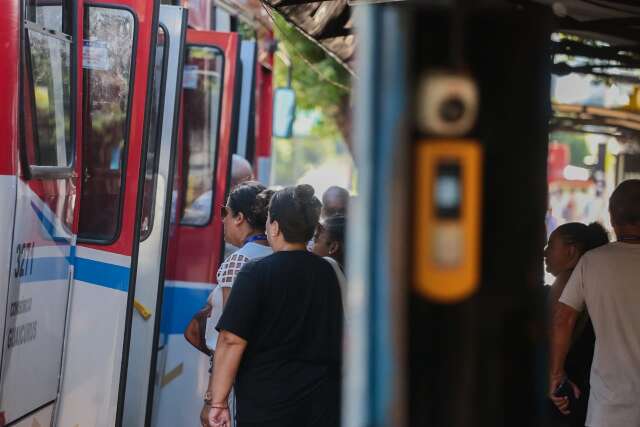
x=116 y=133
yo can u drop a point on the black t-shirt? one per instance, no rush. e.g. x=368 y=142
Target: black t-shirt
x=288 y=307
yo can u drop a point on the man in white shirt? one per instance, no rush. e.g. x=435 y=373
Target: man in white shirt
x=606 y=282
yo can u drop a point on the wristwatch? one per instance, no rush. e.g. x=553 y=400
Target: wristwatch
x=208 y=398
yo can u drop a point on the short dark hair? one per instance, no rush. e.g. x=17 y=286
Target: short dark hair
x=252 y=200
x=584 y=237
x=624 y=204
x=297 y=211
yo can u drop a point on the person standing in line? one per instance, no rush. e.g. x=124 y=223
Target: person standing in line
x=328 y=240
x=566 y=246
x=241 y=171
x=605 y=282
x=244 y=218
x=335 y=201
x=281 y=330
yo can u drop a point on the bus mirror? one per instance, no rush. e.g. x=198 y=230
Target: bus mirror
x=284 y=112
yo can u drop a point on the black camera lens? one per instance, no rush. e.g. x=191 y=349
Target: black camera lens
x=452 y=109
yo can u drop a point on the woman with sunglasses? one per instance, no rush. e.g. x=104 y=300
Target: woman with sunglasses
x=281 y=331
x=244 y=217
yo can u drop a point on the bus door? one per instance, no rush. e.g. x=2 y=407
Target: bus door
x=196 y=245
x=156 y=211
x=41 y=199
x=118 y=44
x=245 y=146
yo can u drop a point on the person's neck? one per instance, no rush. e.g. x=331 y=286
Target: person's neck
x=251 y=233
x=628 y=234
x=289 y=247
x=564 y=275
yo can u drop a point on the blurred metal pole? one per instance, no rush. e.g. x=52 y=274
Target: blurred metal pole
x=374 y=364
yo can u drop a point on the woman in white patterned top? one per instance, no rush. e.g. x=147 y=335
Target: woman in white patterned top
x=244 y=218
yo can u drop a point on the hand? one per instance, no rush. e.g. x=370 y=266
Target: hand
x=562 y=403
x=219 y=417
x=204 y=415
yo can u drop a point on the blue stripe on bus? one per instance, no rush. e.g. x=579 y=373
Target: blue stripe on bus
x=45 y=269
x=102 y=274
x=178 y=307
x=49 y=227
x=93 y=272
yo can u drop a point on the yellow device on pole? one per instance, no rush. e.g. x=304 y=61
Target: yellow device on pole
x=447 y=220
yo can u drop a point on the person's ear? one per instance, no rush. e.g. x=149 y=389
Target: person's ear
x=238 y=218
x=573 y=252
x=334 y=247
x=275 y=229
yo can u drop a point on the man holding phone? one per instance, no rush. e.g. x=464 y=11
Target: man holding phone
x=606 y=282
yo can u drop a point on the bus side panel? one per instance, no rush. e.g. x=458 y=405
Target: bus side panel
x=142 y=383
x=42 y=417
x=101 y=303
x=37 y=297
x=8 y=200
x=30 y=319
x=9 y=71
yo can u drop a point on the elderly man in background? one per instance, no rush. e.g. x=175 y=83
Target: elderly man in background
x=335 y=202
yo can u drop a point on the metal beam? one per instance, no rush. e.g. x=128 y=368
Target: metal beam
x=618 y=27
x=284 y=3
x=574 y=48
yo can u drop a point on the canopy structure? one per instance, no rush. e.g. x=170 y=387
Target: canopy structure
x=327 y=22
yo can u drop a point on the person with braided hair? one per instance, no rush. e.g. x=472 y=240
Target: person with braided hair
x=281 y=330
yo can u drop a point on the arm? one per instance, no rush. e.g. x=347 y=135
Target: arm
x=235 y=326
x=194 y=333
x=228 y=354
x=564 y=321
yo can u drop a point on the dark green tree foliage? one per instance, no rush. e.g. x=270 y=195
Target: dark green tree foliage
x=319 y=80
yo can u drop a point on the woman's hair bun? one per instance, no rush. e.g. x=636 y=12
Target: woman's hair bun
x=260 y=206
x=297 y=211
x=598 y=235
x=251 y=198
x=304 y=191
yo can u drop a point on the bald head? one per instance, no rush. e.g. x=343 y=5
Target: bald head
x=241 y=170
x=624 y=204
x=334 y=202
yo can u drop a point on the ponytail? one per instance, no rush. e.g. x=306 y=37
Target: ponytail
x=584 y=237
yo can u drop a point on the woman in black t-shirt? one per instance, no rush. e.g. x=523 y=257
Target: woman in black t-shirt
x=281 y=330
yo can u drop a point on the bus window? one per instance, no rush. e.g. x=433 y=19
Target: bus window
x=153 y=142
x=202 y=84
x=51 y=14
x=47 y=87
x=107 y=59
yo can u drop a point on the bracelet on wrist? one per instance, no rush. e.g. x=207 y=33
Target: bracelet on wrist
x=219 y=406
